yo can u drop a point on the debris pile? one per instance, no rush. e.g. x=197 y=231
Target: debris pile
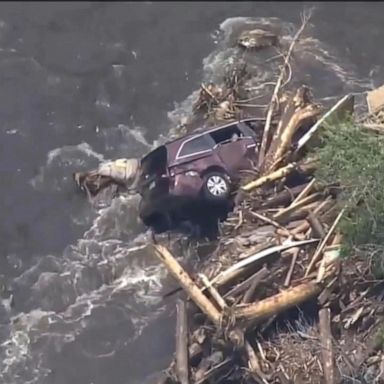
x=275 y=302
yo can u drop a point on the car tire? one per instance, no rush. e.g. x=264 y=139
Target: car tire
x=216 y=187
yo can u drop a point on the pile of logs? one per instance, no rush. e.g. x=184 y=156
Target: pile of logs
x=279 y=250
x=279 y=256
x=275 y=302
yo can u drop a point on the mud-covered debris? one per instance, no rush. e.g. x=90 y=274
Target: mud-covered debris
x=120 y=173
x=257 y=39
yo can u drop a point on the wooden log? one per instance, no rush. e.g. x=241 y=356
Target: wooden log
x=281 y=229
x=321 y=246
x=297 y=120
x=187 y=283
x=306 y=167
x=236 y=269
x=276 y=90
x=182 y=358
x=284 y=197
x=340 y=108
x=243 y=286
x=253 y=363
x=294 y=207
x=287 y=112
x=276 y=175
x=213 y=291
x=326 y=345
x=316 y=226
x=298 y=214
x=277 y=303
x=305 y=191
x=214 y=371
x=257 y=278
x=304 y=226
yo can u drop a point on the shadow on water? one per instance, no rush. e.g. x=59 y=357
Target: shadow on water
x=197 y=220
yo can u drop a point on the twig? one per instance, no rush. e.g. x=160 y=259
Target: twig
x=263 y=146
x=291 y=267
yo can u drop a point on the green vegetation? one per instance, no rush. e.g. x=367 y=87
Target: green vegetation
x=379 y=338
x=354 y=158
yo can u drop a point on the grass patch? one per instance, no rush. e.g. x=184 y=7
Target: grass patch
x=354 y=158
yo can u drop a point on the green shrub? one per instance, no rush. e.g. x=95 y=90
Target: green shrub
x=353 y=157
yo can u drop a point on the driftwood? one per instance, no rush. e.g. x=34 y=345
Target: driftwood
x=278 y=85
x=257 y=278
x=326 y=345
x=243 y=286
x=187 y=283
x=323 y=243
x=278 y=303
x=182 y=358
x=298 y=111
x=279 y=174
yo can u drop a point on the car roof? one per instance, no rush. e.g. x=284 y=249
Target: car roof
x=203 y=130
x=173 y=146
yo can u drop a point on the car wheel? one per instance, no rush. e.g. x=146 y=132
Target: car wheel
x=216 y=186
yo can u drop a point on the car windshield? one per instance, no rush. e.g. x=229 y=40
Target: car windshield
x=199 y=144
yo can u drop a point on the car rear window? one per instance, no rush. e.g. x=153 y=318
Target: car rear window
x=199 y=144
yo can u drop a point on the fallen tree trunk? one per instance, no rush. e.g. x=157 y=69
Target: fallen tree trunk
x=278 y=303
x=188 y=284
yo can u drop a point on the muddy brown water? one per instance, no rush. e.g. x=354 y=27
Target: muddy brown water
x=83 y=82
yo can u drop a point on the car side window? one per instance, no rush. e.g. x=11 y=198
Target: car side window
x=199 y=144
x=226 y=134
x=248 y=131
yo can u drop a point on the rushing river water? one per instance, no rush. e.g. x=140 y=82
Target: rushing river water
x=83 y=82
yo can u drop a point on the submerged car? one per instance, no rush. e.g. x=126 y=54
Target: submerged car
x=201 y=167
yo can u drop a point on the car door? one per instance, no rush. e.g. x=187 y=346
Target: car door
x=234 y=152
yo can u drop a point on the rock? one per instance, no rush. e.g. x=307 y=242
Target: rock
x=257 y=39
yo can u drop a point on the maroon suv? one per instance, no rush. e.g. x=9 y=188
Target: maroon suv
x=202 y=166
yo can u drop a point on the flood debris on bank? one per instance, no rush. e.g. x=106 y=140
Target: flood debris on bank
x=276 y=302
